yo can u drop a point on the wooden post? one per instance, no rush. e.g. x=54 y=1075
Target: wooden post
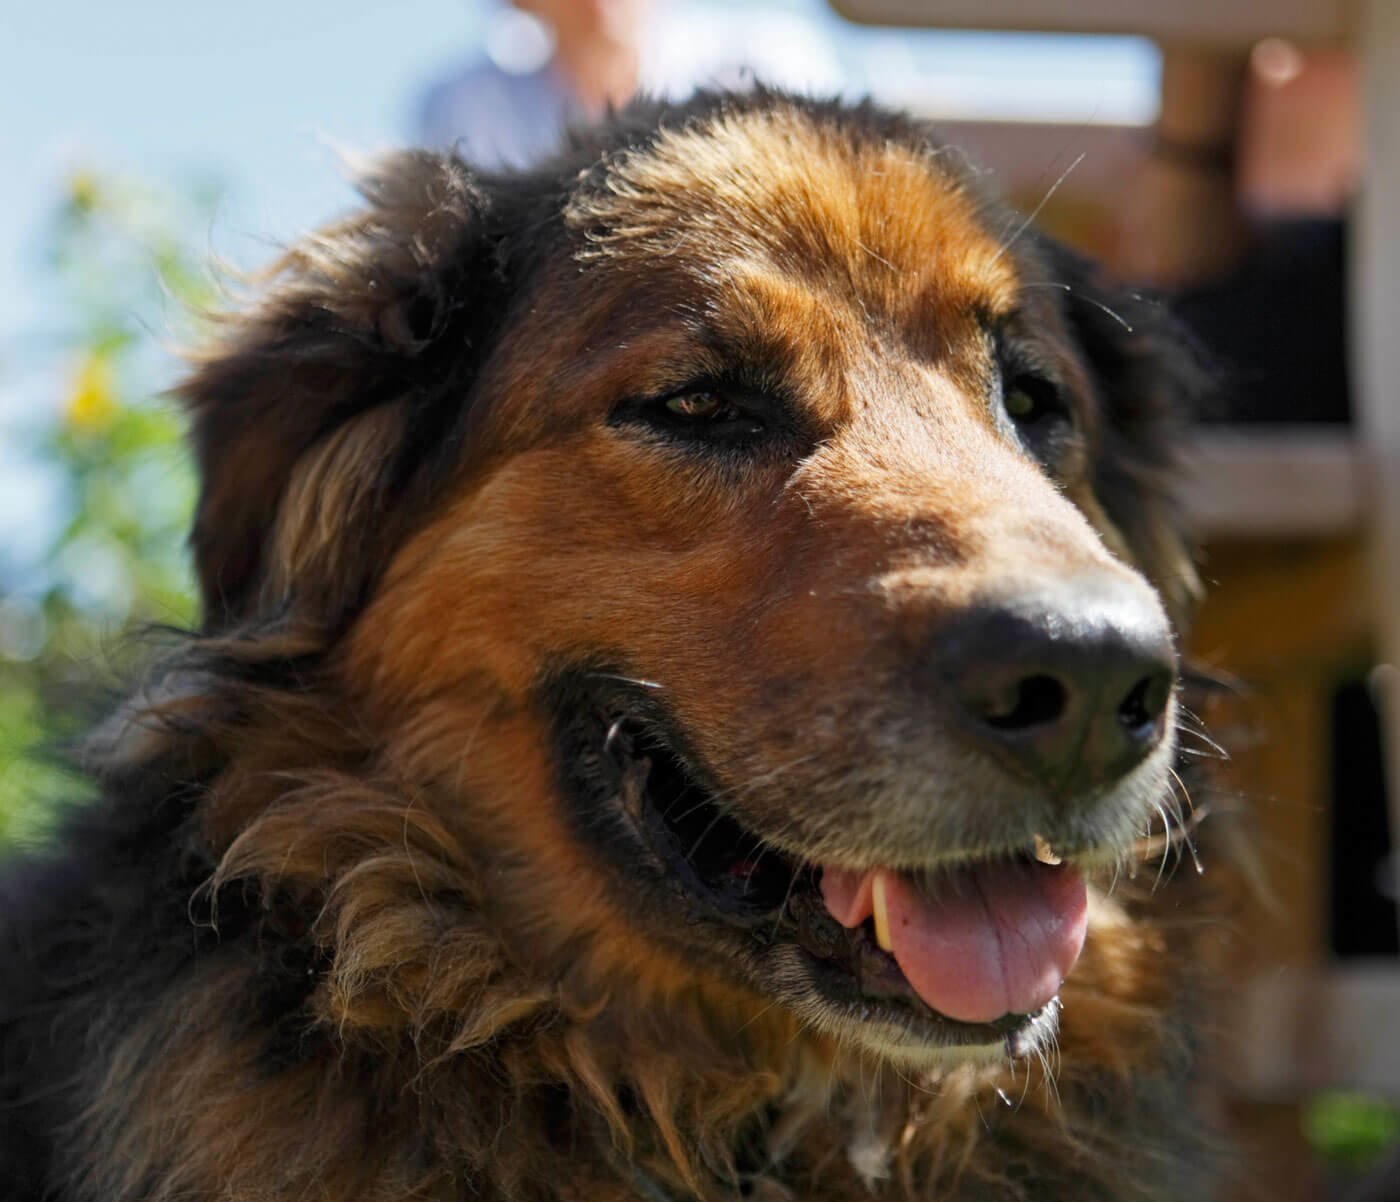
x=1184 y=226
x=1375 y=332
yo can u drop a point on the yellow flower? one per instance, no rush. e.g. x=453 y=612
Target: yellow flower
x=83 y=191
x=93 y=402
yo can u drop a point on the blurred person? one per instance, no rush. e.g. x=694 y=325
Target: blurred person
x=547 y=63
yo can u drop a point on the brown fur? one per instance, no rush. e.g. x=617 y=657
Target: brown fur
x=414 y=508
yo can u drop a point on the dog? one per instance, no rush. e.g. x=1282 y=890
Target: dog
x=690 y=636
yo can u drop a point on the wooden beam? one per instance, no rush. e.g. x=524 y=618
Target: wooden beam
x=1275 y=482
x=1302 y=1031
x=1220 y=23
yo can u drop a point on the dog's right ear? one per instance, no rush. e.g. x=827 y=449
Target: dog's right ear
x=322 y=406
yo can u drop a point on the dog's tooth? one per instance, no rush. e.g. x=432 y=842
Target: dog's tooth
x=1044 y=854
x=881 y=913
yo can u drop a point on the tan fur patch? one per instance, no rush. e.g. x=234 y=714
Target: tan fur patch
x=774 y=189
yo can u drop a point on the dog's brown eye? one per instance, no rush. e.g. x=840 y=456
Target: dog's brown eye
x=703 y=414
x=700 y=406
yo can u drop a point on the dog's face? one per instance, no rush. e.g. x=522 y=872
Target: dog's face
x=746 y=541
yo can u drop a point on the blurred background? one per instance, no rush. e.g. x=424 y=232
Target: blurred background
x=1240 y=156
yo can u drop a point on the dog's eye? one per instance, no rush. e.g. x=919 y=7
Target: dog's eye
x=701 y=407
x=1030 y=400
x=700 y=414
x=1040 y=416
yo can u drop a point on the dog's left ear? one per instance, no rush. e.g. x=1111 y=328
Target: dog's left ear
x=317 y=414
x=1153 y=380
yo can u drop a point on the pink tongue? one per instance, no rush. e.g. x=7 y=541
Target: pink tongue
x=997 y=939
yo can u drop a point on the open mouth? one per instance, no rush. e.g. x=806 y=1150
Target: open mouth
x=966 y=954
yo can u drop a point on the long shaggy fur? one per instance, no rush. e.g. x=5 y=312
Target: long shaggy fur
x=318 y=941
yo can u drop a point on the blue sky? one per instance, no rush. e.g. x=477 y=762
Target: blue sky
x=253 y=97
x=252 y=93
x=258 y=96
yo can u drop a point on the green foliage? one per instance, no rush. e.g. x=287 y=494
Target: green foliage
x=122 y=270
x=1351 y=1131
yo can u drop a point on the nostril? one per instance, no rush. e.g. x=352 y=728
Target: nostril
x=1139 y=710
x=1069 y=688
x=1033 y=701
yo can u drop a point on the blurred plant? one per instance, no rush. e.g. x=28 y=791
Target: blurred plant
x=1351 y=1131
x=121 y=265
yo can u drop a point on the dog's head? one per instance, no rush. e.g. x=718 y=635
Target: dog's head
x=751 y=540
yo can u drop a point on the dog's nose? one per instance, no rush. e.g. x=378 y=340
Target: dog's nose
x=1069 y=686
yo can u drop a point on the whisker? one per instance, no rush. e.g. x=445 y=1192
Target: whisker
x=684 y=814
x=1086 y=298
x=645 y=684
x=746 y=1025
x=1212 y=680
x=1035 y=212
x=1166 y=844
x=977 y=1102
x=1098 y=304
x=1198 y=733
x=1180 y=785
x=1198 y=754
x=613 y=731
x=1025 y=1089
x=1150 y=845
x=1218 y=751
x=1186 y=827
